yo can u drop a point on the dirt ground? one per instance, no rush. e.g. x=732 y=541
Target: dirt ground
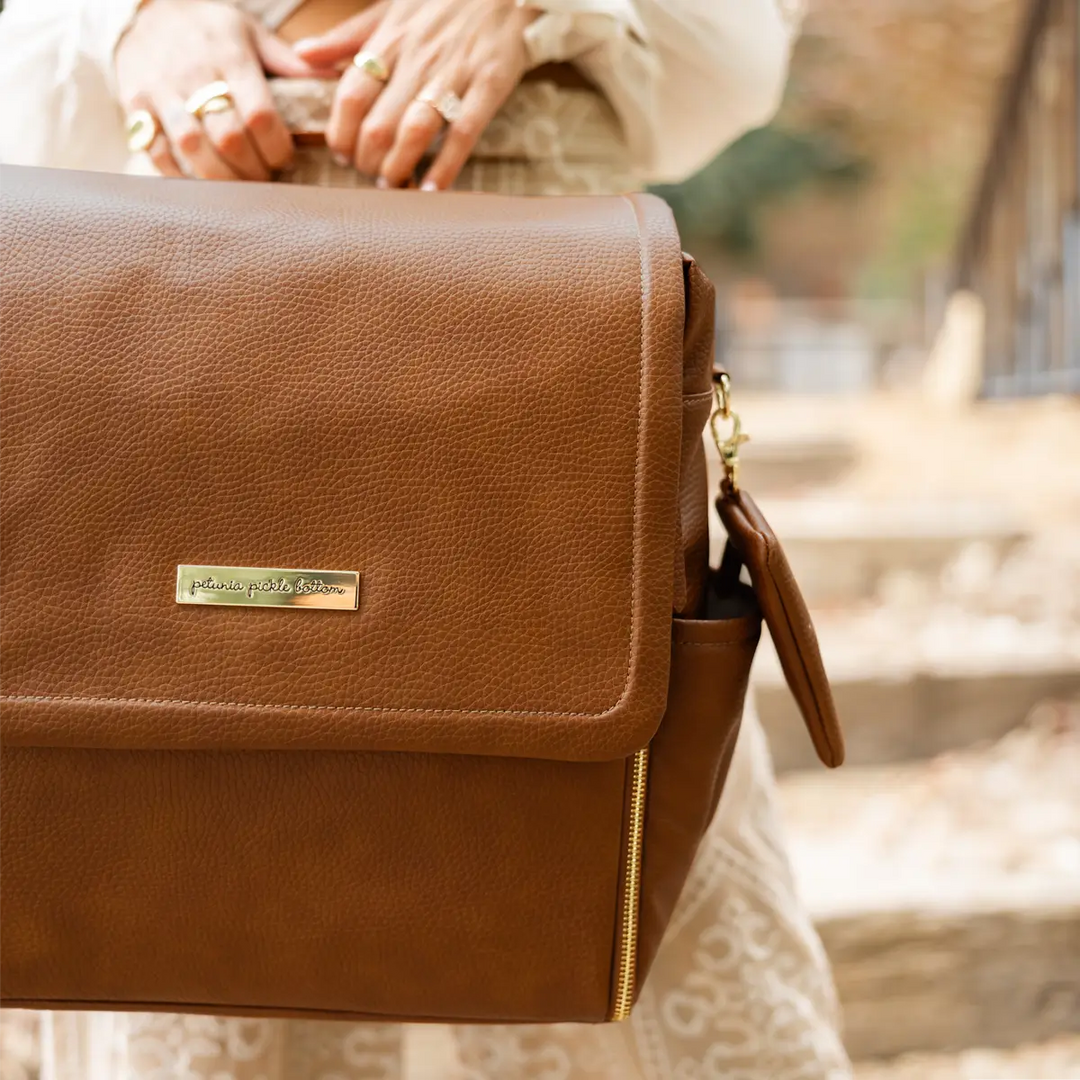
x=1055 y=1060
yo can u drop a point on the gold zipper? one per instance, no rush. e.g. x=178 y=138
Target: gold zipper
x=627 y=963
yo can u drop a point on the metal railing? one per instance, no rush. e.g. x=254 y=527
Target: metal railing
x=817 y=346
x=1020 y=250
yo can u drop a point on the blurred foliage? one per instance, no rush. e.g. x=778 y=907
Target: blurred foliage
x=723 y=203
x=888 y=110
x=919 y=234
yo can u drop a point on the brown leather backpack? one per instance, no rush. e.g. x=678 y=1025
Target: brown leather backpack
x=454 y=765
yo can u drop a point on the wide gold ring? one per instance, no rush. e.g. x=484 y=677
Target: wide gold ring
x=372 y=64
x=445 y=102
x=142 y=129
x=214 y=97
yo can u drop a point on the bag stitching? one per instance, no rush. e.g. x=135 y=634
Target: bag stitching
x=691 y=401
x=715 y=644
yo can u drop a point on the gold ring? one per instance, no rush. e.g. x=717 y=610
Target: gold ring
x=142 y=130
x=372 y=64
x=212 y=98
x=445 y=102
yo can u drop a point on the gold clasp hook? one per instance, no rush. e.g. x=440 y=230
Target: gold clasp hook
x=728 y=448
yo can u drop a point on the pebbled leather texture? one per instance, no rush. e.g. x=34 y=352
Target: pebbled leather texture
x=690 y=755
x=492 y=408
x=474 y=401
x=354 y=885
x=369 y=885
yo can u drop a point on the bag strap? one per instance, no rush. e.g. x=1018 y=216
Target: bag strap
x=753 y=544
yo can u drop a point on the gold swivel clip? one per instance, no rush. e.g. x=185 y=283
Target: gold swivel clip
x=727 y=448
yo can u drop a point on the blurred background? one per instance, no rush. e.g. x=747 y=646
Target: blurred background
x=898 y=262
x=898 y=257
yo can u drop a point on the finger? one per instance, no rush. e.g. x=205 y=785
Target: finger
x=342 y=42
x=259 y=116
x=485 y=96
x=230 y=140
x=160 y=153
x=356 y=93
x=420 y=126
x=190 y=144
x=379 y=129
x=278 y=58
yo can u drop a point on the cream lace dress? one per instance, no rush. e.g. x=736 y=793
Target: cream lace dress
x=740 y=989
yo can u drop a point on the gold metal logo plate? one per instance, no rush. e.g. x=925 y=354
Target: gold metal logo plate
x=257 y=586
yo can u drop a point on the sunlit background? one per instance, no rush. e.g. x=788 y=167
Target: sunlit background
x=899 y=265
x=898 y=261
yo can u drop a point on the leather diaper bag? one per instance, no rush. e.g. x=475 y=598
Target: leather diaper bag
x=361 y=655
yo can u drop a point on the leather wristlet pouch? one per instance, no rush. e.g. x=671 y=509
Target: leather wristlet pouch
x=361 y=656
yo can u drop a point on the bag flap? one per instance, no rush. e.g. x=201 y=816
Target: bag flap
x=474 y=402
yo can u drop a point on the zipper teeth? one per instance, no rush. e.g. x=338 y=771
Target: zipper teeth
x=624 y=988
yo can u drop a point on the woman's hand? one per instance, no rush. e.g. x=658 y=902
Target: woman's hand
x=175 y=47
x=472 y=48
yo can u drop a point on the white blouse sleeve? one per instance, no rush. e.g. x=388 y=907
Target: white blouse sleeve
x=56 y=71
x=685 y=76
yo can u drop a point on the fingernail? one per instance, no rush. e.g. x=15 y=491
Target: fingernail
x=429 y=185
x=382 y=183
x=305 y=43
x=340 y=159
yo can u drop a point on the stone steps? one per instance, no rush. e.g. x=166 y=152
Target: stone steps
x=946 y=979
x=843 y=551
x=1056 y=1059
x=947 y=892
x=889 y=719
x=912 y=685
x=789 y=464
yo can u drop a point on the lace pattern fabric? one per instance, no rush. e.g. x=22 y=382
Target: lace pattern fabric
x=740 y=989
x=546 y=140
